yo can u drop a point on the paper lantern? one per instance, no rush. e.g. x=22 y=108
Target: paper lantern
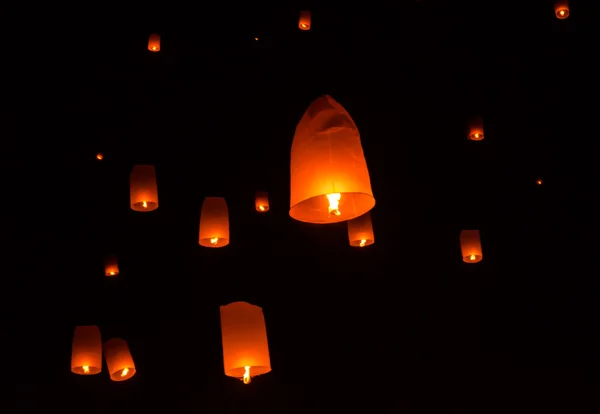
x=261 y=201
x=111 y=266
x=561 y=9
x=118 y=359
x=143 y=191
x=304 y=21
x=360 y=231
x=470 y=246
x=214 y=223
x=154 y=43
x=99 y=156
x=86 y=357
x=245 y=345
x=476 y=129
x=329 y=176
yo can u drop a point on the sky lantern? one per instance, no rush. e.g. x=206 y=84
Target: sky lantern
x=360 y=231
x=245 y=345
x=561 y=9
x=214 y=223
x=118 y=359
x=154 y=43
x=261 y=201
x=86 y=357
x=304 y=21
x=476 y=129
x=143 y=191
x=329 y=176
x=111 y=265
x=99 y=156
x=470 y=246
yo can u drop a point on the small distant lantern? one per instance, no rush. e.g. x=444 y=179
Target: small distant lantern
x=99 y=156
x=470 y=246
x=245 y=345
x=329 y=178
x=261 y=201
x=118 y=359
x=154 y=43
x=476 y=129
x=143 y=191
x=111 y=266
x=561 y=9
x=360 y=231
x=304 y=21
x=86 y=357
x=214 y=223
x=539 y=181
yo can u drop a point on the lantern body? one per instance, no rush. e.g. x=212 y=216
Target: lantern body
x=154 y=43
x=111 y=266
x=304 y=21
x=561 y=9
x=261 y=201
x=245 y=344
x=470 y=246
x=476 y=129
x=86 y=357
x=118 y=359
x=328 y=165
x=360 y=231
x=214 y=223
x=142 y=186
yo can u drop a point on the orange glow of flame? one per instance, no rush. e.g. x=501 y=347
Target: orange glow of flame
x=334 y=203
x=472 y=257
x=303 y=24
x=86 y=369
x=153 y=47
x=111 y=273
x=99 y=156
x=539 y=182
x=562 y=12
x=261 y=208
x=362 y=243
x=214 y=240
x=144 y=204
x=247 y=378
x=125 y=371
x=256 y=38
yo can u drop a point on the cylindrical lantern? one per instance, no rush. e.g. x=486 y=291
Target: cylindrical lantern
x=154 y=43
x=143 y=191
x=470 y=246
x=329 y=176
x=118 y=359
x=304 y=21
x=111 y=265
x=561 y=9
x=214 y=223
x=245 y=345
x=261 y=201
x=86 y=357
x=360 y=231
x=476 y=129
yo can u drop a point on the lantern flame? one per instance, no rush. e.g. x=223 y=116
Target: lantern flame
x=112 y=273
x=144 y=204
x=362 y=243
x=247 y=378
x=125 y=371
x=334 y=203
x=214 y=240
x=472 y=257
x=86 y=369
x=261 y=208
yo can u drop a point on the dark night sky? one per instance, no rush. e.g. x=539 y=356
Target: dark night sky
x=401 y=326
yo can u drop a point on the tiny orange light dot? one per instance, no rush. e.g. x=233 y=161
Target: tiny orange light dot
x=256 y=38
x=99 y=156
x=538 y=182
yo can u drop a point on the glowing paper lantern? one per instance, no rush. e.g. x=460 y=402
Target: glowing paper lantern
x=245 y=345
x=154 y=43
x=118 y=359
x=304 y=21
x=111 y=266
x=470 y=246
x=143 y=191
x=329 y=176
x=360 y=231
x=86 y=356
x=561 y=9
x=261 y=201
x=214 y=223
x=476 y=129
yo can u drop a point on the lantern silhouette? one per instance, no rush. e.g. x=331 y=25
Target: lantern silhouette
x=476 y=129
x=214 y=223
x=360 y=231
x=118 y=359
x=261 y=201
x=304 y=21
x=154 y=43
x=470 y=246
x=111 y=265
x=245 y=345
x=561 y=9
x=329 y=176
x=143 y=191
x=86 y=356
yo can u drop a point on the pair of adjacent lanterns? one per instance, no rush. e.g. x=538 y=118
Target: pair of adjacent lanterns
x=86 y=357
